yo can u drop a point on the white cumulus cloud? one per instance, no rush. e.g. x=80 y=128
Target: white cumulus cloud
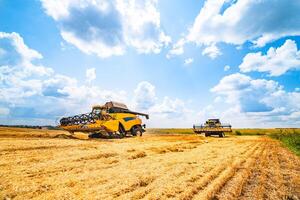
x=165 y=112
x=26 y=88
x=107 y=28
x=170 y=107
x=276 y=61
x=35 y=94
x=212 y=51
x=90 y=74
x=259 y=100
x=144 y=95
x=249 y=94
x=177 y=48
x=188 y=61
x=226 y=68
x=238 y=21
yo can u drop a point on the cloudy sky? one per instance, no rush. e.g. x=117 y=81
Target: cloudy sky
x=181 y=61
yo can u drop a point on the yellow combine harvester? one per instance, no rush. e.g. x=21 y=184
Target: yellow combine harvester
x=212 y=127
x=110 y=119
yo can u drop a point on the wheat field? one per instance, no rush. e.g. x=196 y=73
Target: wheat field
x=43 y=164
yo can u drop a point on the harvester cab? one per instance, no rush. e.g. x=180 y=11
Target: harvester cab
x=98 y=110
x=110 y=119
x=212 y=127
x=213 y=123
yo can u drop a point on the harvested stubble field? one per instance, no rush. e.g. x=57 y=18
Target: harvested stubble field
x=38 y=164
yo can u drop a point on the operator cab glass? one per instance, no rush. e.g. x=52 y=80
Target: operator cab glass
x=97 y=110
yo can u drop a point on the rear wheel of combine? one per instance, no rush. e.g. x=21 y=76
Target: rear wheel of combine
x=137 y=130
x=221 y=134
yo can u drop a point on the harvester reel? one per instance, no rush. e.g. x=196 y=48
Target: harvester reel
x=76 y=119
x=80 y=119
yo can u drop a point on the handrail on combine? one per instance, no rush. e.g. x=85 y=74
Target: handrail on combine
x=137 y=113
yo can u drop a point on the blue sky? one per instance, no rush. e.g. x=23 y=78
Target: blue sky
x=180 y=61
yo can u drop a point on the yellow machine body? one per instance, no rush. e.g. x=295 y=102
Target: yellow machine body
x=127 y=120
x=110 y=118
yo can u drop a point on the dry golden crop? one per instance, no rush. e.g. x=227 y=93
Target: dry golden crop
x=38 y=164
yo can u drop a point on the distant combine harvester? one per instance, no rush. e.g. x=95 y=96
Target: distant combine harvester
x=212 y=127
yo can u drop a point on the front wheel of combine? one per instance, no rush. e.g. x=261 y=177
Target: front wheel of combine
x=122 y=132
x=221 y=134
x=137 y=130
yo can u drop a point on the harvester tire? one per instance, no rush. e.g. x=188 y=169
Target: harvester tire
x=137 y=130
x=94 y=135
x=221 y=134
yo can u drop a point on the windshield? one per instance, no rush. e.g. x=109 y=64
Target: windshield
x=97 y=111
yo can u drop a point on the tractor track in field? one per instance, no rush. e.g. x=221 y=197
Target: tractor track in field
x=212 y=181
x=178 y=174
x=233 y=188
x=150 y=167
